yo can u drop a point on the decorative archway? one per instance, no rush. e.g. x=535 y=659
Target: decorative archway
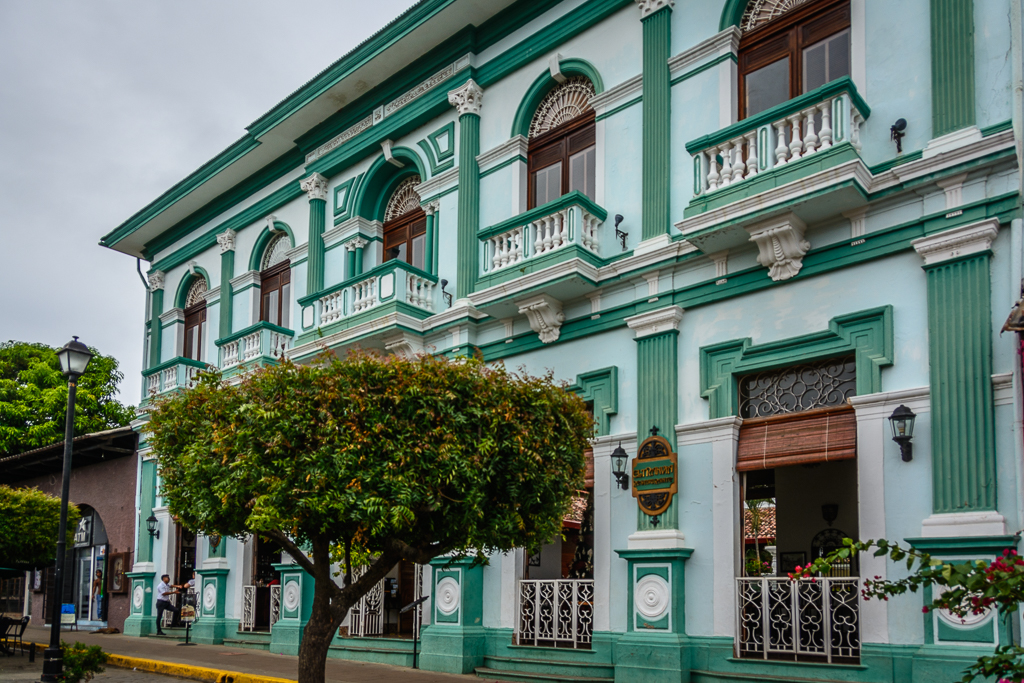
x=191 y=286
x=264 y=240
x=544 y=84
x=383 y=178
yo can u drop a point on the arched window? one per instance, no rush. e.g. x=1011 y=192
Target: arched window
x=405 y=225
x=195 y=317
x=562 y=152
x=275 y=281
x=790 y=47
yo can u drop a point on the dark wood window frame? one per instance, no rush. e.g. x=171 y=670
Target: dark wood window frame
x=272 y=279
x=195 y=316
x=403 y=230
x=557 y=145
x=788 y=35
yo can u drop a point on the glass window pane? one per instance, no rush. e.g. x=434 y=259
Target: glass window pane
x=839 y=55
x=273 y=307
x=548 y=183
x=815 y=65
x=826 y=60
x=417 y=252
x=767 y=87
x=582 y=171
x=285 y=304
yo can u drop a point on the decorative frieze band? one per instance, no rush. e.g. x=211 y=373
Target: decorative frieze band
x=381 y=113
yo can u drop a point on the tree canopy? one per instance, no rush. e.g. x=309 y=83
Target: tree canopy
x=402 y=458
x=34 y=395
x=29 y=522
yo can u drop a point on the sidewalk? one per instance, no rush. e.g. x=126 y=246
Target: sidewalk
x=212 y=662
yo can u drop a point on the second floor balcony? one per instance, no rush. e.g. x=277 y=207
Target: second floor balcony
x=263 y=342
x=394 y=283
x=176 y=373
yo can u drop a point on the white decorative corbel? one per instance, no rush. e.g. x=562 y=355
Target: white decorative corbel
x=191 y=268
x=404 y=344
x=226 y=240
x=156 y=280
x=554 y=67
x=388 y=155
x=721 y=261
x=953 y=187
x=315 y=187
x=649 y=7
x=782 y=245
x=467 y=99
x=545 y=315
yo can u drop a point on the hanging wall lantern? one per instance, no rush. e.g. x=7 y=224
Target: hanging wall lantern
x=619 y=459
x=902 y=421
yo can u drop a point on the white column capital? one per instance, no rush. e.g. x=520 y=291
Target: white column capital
x=962 y=241
x=655 y=322
x=156 y=280
x=649 y=7
x=356 y=243
x=467 y=99
x=315 y=187
x=226 y=240
x=432 y=207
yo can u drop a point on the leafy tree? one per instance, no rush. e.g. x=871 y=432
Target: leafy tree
x=399 y=458
x=34 y=396
x=29 y=522
x=967 y=588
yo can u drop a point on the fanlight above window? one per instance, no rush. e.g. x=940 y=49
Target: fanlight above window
x=404 y=199
x=196 y=291
x=565 y=102
x=760 y=12
x=276 y=252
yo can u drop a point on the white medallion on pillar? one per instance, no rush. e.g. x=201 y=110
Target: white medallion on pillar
x=782 y=245
x=467 y=99
x=315 y=187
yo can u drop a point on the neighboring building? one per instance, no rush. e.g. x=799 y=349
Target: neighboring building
x=104 y=482
x=696 y=214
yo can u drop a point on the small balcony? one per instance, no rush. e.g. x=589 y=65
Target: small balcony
x=261 y=342
x=568 y=225
x=782 y=619
x=394 y=282
x=177 y=373
x=556 y=613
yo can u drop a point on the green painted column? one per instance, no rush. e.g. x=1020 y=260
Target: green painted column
x=657 y=360
x=963 y=454
x=952 y=28
x=296 y=607
x=428 y=256
x=455 y=640
x=437 y=236
x=147 y=501
x=350 y=262
x=468 y=100
x=226 y=240
x=141 y=619
x=315 y=187
x=212 y=627
x=359 y=244
x=656 y=18
x=156 y=309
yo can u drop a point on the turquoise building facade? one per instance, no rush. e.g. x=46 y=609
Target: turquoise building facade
x=754 y=229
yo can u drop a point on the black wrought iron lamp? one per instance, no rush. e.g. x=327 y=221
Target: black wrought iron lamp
x=619 y=459
x=74 y=358
x=153 y=526
x=902 y=421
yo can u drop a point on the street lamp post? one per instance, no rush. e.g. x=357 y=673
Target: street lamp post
x=73 y=358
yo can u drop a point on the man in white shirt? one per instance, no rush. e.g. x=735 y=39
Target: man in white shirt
x=163 y=604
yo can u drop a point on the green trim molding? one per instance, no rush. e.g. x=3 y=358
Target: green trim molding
x=344 y=198
x=600 y=387
x=732 y=13
x=156 y=307
x=543 y=84
x=256 y=257
x=186 y=281
x=440 y=153
x=952 y=33
x=657 y=383
x=866 y=334
x=147 y=501
x=227 y=272
x=657 y=111
x=381 y=179
x=469 y=204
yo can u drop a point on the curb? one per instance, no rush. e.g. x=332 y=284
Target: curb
x=195 y=673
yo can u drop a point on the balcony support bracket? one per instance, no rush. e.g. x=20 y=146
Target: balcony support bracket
x=782 y=245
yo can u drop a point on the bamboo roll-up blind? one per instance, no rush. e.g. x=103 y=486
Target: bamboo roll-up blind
x=804 y=438
x=589 y=475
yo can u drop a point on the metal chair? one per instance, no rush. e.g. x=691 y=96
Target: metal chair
x=19 y=635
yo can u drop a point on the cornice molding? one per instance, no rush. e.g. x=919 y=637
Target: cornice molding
x=174 y=315
x=247 y=279
x=962 y=241
x=612 y=97
x=725 y=42
x=357 y=225
x=429 y=189
x=517 y=146
x=655 y=322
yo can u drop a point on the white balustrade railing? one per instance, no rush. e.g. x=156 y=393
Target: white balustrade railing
x=178 y=375
x=557 y=612
x=264 y=341
x=771 y=143
x=817 y=620
x=393 y=281
x=572 y=224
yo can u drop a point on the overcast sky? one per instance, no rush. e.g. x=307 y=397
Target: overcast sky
x=106 y=104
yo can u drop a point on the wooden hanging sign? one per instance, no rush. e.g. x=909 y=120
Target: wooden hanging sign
x=655 y=475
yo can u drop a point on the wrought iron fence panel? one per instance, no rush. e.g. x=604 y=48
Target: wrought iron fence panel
x=367 y=616
x=556 y=612
x=275 y=605
x=807 y=620
x=248 y=608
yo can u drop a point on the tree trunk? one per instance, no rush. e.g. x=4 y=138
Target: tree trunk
x=317 y=635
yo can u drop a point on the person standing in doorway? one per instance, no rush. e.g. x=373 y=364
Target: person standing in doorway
x=163 y=604
x=97 y=594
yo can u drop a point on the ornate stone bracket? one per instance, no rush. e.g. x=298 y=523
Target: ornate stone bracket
x=226 y=240
x=782 y=245
x=156 y=280
x=467 y=99
x=545 y=315
x=404 y=344
x=315 y=187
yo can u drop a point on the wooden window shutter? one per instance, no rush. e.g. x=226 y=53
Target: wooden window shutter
x=589 y=476
x=804 y=438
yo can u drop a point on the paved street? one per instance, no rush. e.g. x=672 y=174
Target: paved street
x=234 y=659
x=18 y=668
